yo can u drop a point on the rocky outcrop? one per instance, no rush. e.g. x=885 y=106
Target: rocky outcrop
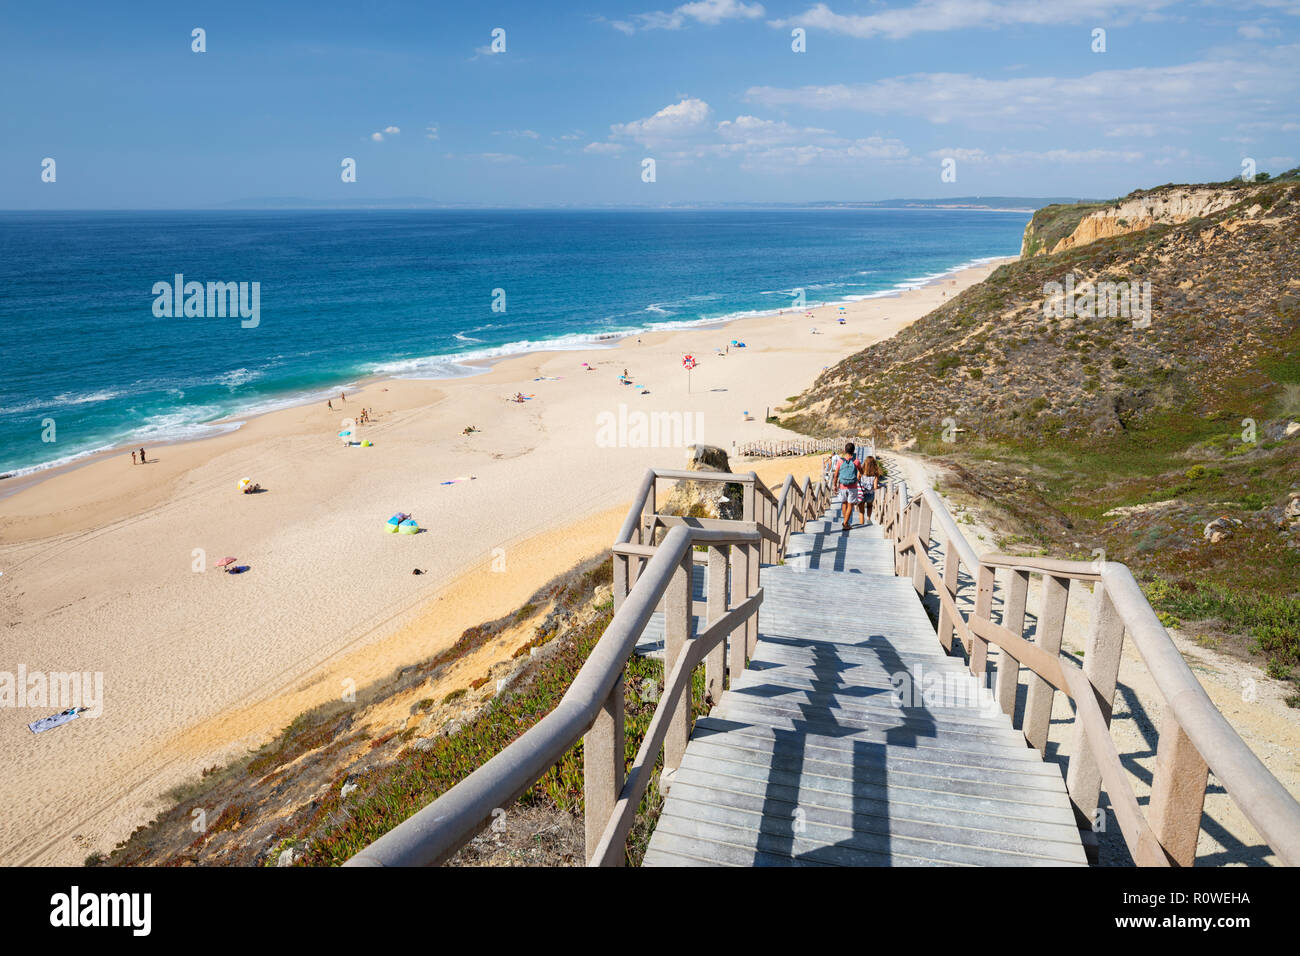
x=705 y=499
x=1132 y=215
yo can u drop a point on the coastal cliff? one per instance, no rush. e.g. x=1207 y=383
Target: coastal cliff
x=1165 y=205
x=1207 y=292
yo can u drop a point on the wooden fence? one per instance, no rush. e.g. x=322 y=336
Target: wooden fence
x=1194 y=736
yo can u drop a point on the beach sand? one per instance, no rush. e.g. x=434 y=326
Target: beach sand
x=100 y=574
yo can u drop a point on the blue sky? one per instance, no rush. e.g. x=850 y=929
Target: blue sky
x=1011 y=90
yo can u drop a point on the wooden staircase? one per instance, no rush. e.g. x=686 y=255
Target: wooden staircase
x=807 y=759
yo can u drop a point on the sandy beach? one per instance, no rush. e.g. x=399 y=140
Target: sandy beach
x=101 y=563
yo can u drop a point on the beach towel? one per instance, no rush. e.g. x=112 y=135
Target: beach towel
x=454 y=480
x=54 y=720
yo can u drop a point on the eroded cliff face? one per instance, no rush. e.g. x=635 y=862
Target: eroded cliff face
x=1169 y=206
x=1130 y=215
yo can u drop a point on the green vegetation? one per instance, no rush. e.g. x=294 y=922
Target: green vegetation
x=1272 y=621
x=395 y=792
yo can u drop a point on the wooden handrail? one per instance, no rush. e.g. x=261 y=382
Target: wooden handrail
x=609 y=850
x=436 y=832
x=591 y=709
x=1195 y=737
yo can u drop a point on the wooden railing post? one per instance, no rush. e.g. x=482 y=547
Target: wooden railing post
x=901 y=535
x=677 y=630
x=1013 y=619
x=920 y=556
x=1101 y=667
x=647 y=533
x=979 y=650
x=715 y=663
x=622 y=568
x=740 y=590
x=769 y=546
x=1177 y=793
x=751 y=624
x=1051 y=627
x=951 y=575
x=603 y=767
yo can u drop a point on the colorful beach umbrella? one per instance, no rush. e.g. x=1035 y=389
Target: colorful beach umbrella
x=225 y=561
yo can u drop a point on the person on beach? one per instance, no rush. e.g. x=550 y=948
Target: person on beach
x=330 y=404
x=869 y=481
x=133 y=458
x=845 y=469
x=142 y=456
x=342 y=397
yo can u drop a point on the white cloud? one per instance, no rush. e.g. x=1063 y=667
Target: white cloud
x=393 y=130
x=1136 y=129
x=866 y=149
x=961 y=154
x=1007 y=157
x=431 y=132
x=684 y=131
x=752 y=131
x=1203 y=92
x=518 y=133
x=1071 y=156
x=377 y=137
x=676 y=122
x=1259 y=31
x=929 y=16
x=1281 y=127
x=710 y=12
x=486 y=157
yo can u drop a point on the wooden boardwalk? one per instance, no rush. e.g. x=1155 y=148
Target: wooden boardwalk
x=807 y=760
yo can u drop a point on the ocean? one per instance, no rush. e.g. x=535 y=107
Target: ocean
x=98 y=352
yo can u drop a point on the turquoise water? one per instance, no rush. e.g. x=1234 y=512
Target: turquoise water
x=344 y=295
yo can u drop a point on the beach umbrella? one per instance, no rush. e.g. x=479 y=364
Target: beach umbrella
x=225 y=561
x=244 y=483
x=344 y=434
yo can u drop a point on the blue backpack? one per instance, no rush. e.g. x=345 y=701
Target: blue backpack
x=848 y=473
